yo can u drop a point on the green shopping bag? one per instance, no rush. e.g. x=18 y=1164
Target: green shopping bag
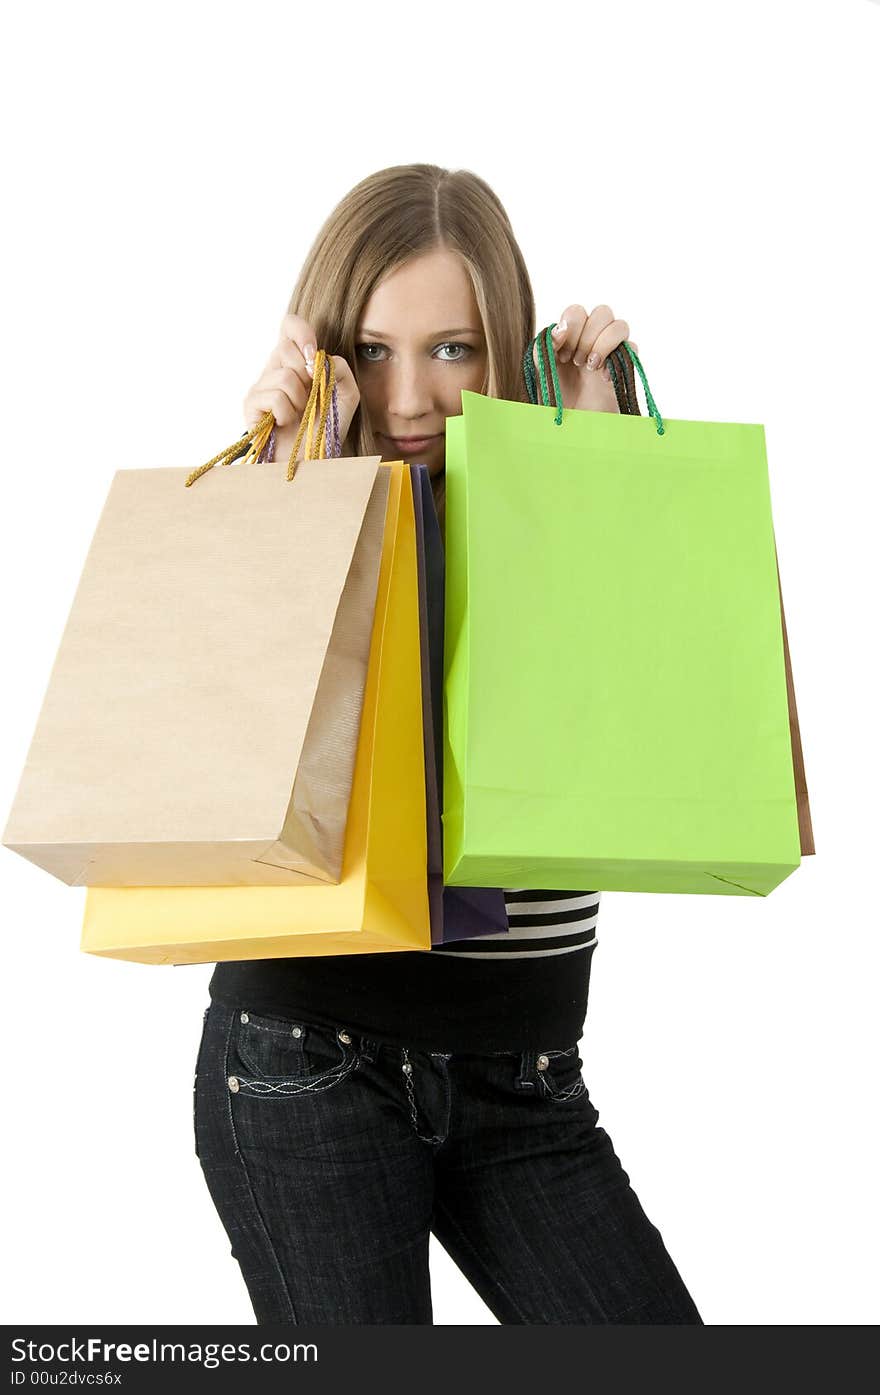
x=616 y=714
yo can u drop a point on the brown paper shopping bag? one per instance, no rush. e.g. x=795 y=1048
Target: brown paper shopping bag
x=805 y=822
x=381 y=902
x=201 y=721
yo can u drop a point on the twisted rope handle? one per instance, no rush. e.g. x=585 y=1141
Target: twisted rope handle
x=542 y=347
x=319 y=426
x=653 y=409
x=313 y=426
x=332 y=444
x=267 y=454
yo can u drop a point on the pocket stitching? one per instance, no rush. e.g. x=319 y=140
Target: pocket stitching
x=571 y=1092
x=264 y=1089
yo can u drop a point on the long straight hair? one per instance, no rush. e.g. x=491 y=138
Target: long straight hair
x=384 y=221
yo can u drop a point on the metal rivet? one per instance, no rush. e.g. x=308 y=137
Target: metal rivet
x=244 y=1017
x=407 y=1069
x=296 y=1031
x=343 y=1036
x=543 y=1062
x=232 y=1082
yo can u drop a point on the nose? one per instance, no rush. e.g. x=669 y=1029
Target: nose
x=409 y=394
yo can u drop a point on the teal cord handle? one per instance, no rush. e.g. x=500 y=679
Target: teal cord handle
x=528 y=374
x=536 y=347
x=543 y=343
x=548 y=349
x=653 y=409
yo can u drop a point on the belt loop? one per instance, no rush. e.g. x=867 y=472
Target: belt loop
x=526 y=1071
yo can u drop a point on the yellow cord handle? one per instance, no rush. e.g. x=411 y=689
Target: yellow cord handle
x=313 y=427
x=314 y=418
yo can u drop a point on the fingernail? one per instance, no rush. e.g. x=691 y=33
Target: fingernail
x=309 y=356
x=559 y=329
x=592 y=361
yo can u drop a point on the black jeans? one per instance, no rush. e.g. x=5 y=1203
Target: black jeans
x=330 y=1158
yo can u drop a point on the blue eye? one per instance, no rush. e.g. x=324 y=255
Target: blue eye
x=362 y=352
x=452 y=352
x=465 y=350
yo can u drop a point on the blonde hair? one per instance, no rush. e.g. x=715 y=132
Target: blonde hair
x=392 y=216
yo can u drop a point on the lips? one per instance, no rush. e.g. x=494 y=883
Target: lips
x=411 y=443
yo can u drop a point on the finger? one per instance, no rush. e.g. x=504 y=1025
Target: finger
x=274 y=400
x=597 y=320
x=564 y=335
x=349 y=393
x=609 y=339
x=301 y=333
x=346 y=382
x=291 y=356
x=344 y=375
x=624 y=356
x=296 y=385
x=568 y=330
x=605 y=372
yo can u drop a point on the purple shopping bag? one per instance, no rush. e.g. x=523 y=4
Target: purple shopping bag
x=457 y=912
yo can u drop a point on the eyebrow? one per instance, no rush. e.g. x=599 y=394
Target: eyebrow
x=438 y=334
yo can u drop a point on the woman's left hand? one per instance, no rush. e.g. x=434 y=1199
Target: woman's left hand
x=583 y=340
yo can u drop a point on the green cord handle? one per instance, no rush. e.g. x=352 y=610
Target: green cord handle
x=543 y=344
x=653 y=409
x=529 y=375
x=529 y=372
x=546 y=349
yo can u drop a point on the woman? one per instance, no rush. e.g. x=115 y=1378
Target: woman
x=348 y=1106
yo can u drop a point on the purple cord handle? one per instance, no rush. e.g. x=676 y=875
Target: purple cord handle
x=332 y=443
x=267 y=454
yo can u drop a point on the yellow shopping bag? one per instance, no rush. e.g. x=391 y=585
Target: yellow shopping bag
x=381 y=903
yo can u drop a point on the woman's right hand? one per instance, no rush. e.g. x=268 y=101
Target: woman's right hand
x=284 y=385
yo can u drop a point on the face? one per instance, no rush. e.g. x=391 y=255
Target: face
x=420 y=341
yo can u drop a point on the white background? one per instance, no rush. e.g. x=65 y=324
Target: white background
x=709 y=172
